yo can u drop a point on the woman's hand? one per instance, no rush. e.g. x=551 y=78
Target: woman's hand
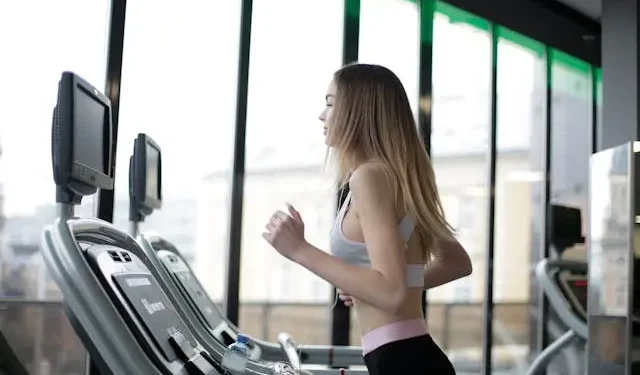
x=285 y=232
x=347 y=299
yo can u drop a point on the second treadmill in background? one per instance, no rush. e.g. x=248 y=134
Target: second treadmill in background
x=145 y=197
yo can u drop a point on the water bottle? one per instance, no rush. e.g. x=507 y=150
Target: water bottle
x=237 y=355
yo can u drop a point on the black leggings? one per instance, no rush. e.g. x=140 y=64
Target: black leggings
x=417 y=355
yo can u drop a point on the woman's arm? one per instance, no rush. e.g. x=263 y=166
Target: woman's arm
x=384 y=284
x=449 y=262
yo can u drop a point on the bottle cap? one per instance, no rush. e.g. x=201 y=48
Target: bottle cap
x=243 y=339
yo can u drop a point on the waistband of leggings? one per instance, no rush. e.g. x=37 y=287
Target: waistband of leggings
x=391 y=332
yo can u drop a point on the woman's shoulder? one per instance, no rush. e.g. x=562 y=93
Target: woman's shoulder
x=369 y=174
x=372 y=180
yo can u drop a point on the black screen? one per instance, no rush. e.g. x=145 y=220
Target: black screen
x=574 y=288
x=153 y=309
x=579 y=289
x=89 y=129
x=153 y=157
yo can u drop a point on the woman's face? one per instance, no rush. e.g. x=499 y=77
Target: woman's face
x=326 y=114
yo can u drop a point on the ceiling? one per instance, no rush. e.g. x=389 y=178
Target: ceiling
x=590 y=8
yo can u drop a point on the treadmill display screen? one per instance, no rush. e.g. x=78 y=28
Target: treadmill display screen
x=575 y=289
x=579 y=289
x=198 y=297
x=153 y=309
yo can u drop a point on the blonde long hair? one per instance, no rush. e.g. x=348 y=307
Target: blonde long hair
x=372 y=117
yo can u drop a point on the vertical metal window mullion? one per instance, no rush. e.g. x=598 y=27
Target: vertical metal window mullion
x=594 y=109
x=232 y=298
x=426 y=10
x=340 y=314
x=543 y=306
x=488 y=306
x=112 y=91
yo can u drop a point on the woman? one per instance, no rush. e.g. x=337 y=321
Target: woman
x=390 y=239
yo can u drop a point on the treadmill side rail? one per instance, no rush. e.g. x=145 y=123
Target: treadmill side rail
x=543 y=271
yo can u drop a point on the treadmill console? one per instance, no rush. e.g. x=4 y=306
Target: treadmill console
x=195 y=294
x=190 y=287
x=153 y=319
x=574 y=287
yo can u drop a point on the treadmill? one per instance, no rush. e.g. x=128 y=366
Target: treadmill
x=111 y=297
x=564 y=283
x=180 y=283
x=179 y=274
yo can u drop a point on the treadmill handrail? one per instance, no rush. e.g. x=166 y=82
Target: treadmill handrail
x=290 y=347
x=544 y=271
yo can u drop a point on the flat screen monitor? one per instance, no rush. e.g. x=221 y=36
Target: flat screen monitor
x=89 y=131
x=81 y=137
x=145 y=178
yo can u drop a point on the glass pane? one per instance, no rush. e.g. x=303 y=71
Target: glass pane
x=37 y=46
x=389 y=36
x=459 y=149
x=519 y=199
x=178 y=86
x=571 y=131
x=307 y=320
x=289 y=75
x=571 y=145
x=37 y=337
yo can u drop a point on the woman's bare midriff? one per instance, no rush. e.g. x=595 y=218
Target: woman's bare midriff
x=370 y=317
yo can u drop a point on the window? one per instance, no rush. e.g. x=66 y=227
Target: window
x=571 y=130
x=179 y=78
x=39 y=40
x=519 y=203
x=462 y=291
x=571 y=147
x=389 y=36
x=285 y=279
x=292 y=60
x=31 y=86
x=461 y=103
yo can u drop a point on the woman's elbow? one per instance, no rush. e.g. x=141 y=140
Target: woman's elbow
x=460 y=268
x=463 y=262
x=457 y=260
x=467 y=269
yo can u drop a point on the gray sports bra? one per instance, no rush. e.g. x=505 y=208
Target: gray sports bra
x=356 y=252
